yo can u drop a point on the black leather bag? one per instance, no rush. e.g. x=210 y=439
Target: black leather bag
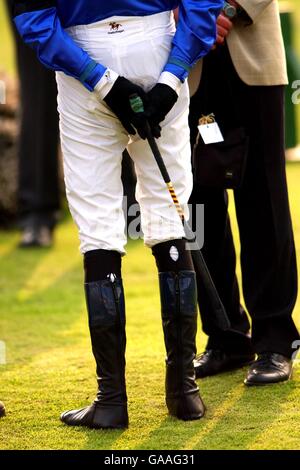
x=222 y=164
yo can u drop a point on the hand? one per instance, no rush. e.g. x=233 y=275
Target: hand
x=118 y=99
x=224 y=26
x=161 y=100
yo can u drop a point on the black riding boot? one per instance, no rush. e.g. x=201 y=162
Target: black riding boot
x=106 y=308
x=179 y=317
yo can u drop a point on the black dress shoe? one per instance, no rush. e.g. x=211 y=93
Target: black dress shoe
x=214 y=361
x=36 y=236
x=269 y=368
x=2 y=409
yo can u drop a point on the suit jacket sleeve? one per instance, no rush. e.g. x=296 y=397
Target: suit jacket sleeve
x=254 y=8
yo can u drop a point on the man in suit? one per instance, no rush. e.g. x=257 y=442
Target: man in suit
x=38 y=191
x=244 y=79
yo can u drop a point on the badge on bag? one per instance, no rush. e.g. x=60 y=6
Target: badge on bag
x=209 y=130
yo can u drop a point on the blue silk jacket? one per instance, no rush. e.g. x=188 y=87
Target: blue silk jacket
x=42 y=25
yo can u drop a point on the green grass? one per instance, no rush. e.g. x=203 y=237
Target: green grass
x=50 y=367
x=7 y=62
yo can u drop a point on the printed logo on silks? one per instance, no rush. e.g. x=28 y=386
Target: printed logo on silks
x=115 y=28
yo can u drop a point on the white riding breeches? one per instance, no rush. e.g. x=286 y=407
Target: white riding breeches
x=93 y=139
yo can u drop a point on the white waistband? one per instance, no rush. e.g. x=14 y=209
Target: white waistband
x=115 y=26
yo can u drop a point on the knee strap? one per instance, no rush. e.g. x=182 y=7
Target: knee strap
x=105 y=302
x=178 y=293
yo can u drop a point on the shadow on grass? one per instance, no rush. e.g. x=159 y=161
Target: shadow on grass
x=100 y=439
x=35 y=324
x=252 y=414
x=39 y=317
x=176 y=434
x=235 y=416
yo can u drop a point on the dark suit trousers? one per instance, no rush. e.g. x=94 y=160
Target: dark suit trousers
x=38 y=141
x=268 y=261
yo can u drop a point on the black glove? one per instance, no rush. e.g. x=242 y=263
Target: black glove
x=161 y=100
x=118 y=99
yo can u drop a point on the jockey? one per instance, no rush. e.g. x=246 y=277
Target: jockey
x=104 y=52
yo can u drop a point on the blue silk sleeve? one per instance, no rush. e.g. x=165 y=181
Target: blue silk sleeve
x=41 y=29
x=195 y=35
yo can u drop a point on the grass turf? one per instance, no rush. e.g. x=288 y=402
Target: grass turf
x=7 y=62
x=50 y=367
